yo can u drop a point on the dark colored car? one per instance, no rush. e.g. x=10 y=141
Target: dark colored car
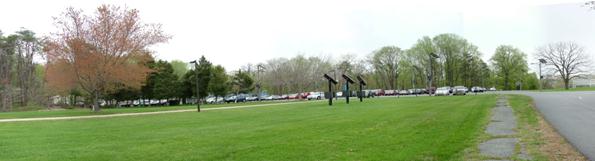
x=236 y=98
x=477 y=89
x=431 y=90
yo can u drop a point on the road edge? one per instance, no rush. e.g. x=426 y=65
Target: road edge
x=553 y=138
x=542 y=139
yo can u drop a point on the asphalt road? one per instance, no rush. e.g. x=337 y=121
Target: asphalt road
x=572 y=114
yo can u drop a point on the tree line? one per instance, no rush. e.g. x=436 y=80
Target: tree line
x=105 y=56
x=443 y=60
x=20 y=78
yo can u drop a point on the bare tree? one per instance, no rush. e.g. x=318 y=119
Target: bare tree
x=590 y=5
x=26 y=46
x=568 y=59
x=6 y=63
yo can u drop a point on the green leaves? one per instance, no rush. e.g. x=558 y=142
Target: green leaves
x=510 y=66
x=219 y=84
x=243 y=82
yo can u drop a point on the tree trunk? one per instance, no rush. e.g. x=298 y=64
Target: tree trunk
x=6 y=99
x=24 y=95
x=95 y=103
x=506 y=85
x=566 y=83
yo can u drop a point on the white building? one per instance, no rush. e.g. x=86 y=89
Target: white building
x=583 y=81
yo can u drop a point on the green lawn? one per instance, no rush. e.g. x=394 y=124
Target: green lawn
x=86 y=112
x=413 y=128
x=528 y=125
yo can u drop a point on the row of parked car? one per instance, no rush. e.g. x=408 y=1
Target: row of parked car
x=460 y=90
x=457 y=90
x=254 y=97
x=146 y=102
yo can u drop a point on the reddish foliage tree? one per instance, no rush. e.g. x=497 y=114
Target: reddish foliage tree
x=100 y=53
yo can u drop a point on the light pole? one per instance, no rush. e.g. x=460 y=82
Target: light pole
x=432 y=56
x=413 y=81
x=197 y=89
x=541 y=61
x=259 y=70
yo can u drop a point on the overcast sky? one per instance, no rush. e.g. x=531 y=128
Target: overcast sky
x=236 y=32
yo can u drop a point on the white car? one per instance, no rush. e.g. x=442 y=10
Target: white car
x=211 y=100
x=442 y=91
x=316 y=95
x=459 y=90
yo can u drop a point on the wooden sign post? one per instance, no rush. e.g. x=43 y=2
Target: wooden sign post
x=349 y=81
x=362 y=83
x=331 y=82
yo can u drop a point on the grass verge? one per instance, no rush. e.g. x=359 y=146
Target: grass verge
x=541 y=140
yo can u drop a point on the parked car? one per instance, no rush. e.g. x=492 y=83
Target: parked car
x=493 y=89
x=404 y=92
x=366 y=93
x=236 y=98
x=268 y=98
x=379 y=92
x=306 y=94
x=389 y=92
x=339 y=94
x=212 y=100
x=252 y=98
x=477 y=89
x=276 y=97
x=315 y=95
x=294 y=96
x=442 y=91
x=431 y=90
x=459 y=90
x=415 y=91
x=158 y=102
x=284 y=97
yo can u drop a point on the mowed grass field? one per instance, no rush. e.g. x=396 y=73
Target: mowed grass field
x=408 y=128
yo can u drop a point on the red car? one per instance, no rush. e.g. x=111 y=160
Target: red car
x=294 y=96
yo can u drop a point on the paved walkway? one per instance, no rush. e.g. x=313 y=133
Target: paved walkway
x=138 y=113
x=502 y=129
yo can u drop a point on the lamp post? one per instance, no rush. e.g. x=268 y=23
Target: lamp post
x=197 y=89
x=432 y=56
x=259 y=70
x=413 y=81
x=541 y=61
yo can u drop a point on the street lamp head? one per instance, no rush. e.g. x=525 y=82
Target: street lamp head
x=194 y=61
x=433 y=55
x=542 y=61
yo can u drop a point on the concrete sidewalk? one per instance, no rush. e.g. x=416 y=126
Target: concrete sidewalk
x=502 y=129
x=138 y=113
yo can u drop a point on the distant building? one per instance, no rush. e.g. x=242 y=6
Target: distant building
x=583 y=81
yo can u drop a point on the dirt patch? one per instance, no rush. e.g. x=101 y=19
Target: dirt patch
x=555 y=147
